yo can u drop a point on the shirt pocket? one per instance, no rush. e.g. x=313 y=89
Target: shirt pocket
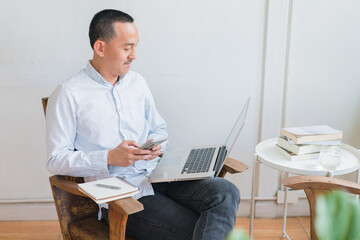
x=137 y=119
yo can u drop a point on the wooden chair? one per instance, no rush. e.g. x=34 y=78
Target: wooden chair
x=78 y=214
x=315 y=186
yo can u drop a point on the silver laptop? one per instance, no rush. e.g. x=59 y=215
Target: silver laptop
x=197 y=162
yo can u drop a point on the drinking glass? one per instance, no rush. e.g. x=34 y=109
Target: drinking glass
x=330 y=157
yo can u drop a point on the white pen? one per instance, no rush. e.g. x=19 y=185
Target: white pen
x=107 y=186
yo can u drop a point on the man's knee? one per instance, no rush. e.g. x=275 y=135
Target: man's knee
x=231 y=190
x=226 y=190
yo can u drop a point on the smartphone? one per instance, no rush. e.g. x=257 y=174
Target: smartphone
x=150 y=144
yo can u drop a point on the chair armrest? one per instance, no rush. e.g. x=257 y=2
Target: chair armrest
x=321 y=183
x=70 y=184
x=234 y=166
x=67 y=184
x=127 y=205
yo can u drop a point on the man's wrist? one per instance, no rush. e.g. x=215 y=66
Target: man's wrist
x=110 y=157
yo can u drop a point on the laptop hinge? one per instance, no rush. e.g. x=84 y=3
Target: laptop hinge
x=219 y=160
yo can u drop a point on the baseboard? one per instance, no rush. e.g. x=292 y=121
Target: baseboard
x=271 y=209
x=47 y=211
x=27 y=211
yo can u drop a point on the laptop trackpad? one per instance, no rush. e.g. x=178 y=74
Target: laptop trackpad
x=169 y=162
x=172 y=158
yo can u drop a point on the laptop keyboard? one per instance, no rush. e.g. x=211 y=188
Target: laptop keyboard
x=199 y=160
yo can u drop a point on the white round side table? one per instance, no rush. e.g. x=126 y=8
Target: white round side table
x=266 y=153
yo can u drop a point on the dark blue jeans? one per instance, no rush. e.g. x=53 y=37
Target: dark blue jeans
x=199 y=210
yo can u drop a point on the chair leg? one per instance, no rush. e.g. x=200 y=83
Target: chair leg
x=312 y=195
x=117 y=223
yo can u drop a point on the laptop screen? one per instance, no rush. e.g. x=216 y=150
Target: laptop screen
x=237 y=127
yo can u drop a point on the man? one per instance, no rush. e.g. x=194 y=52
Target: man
x=95 y=123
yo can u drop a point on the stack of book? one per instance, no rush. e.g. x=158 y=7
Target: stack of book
x=303 y=143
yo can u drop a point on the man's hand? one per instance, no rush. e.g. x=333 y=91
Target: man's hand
x=155 y=151
x=124 y=155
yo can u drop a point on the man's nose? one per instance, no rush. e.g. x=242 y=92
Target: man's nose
x=132 y=54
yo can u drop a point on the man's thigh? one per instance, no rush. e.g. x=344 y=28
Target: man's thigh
x=198 y=194
x=162 y=218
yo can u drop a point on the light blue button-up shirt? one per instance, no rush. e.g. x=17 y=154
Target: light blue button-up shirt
x=87 y=116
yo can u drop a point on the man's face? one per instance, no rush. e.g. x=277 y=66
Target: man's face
x=120 y=51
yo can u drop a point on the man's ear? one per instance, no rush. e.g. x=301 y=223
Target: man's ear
x=99 y=47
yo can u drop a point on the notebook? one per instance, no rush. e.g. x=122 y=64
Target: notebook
x=108 y=189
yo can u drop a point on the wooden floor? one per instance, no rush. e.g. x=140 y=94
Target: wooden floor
x=297 y=229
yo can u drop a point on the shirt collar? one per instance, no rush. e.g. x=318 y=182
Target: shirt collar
x=94 y=75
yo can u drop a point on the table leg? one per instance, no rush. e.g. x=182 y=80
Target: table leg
x=357 y=181
x=282 y=175
x=254 y=188
x=284 y=235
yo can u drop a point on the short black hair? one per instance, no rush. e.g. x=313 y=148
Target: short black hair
x=102 y=24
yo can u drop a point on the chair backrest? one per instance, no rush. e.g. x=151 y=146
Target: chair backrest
x=315 y=186
x=44 y=102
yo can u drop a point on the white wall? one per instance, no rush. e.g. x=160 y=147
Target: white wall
x=202 y=59
x=324 y=66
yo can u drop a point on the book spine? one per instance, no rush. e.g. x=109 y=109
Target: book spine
x=315 y=138
x=296 y=157
x=298 y=149
x=290 y=147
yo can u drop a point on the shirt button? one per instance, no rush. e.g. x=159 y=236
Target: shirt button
x=119 y=109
